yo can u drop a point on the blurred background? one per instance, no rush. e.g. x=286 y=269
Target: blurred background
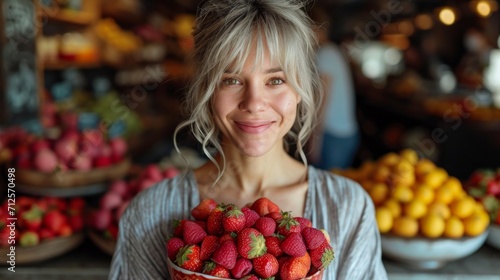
x=91 y=93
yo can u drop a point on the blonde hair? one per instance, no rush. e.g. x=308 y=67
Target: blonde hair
x=224 y=34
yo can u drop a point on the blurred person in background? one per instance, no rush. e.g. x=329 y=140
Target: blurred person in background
x=336 y=138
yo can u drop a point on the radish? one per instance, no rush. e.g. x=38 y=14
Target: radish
x=110 y=201
x=45 y=161
x=119 y=187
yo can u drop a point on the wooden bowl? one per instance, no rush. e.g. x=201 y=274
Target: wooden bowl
x=177 y=273
x=47 y=249
x=106 y=245
x=72 y=178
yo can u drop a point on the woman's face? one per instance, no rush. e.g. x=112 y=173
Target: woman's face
x=256 y=108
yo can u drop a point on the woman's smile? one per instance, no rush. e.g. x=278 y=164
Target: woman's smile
x=254 y=127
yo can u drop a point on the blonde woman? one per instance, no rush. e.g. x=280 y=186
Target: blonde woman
x=255 y=91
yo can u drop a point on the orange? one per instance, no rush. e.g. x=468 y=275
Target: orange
x=475 y=225
x=402 y=194
x=432 y=226
x=378 y=193
x=463 y=208
x=405 y=226
x=415 y=209
x=409 y=155
x=366 y=169
x=384 y=219
x=366 y=184
x=439 y=209
x=424 y=166
x=393 y=206
x=424 y=194
x=454 y=228
x=403 y=173
x=454 y=185
x=443 y=195
x=389 y=159
x=435 y=178
x=381 y=174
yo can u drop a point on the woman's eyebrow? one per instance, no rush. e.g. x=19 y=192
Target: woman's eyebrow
x=268 y=71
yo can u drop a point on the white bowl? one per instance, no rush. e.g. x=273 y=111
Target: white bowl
x=494 y=237
x=428 y=254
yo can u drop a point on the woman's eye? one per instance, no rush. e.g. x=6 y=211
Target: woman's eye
x=230 y=81
x=276 y=81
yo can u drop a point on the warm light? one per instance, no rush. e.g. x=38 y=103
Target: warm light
x=483 y=8
x=424 y=22
x=406 y=28
x=447 y=16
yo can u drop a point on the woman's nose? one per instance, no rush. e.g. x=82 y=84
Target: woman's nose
x=253 y=99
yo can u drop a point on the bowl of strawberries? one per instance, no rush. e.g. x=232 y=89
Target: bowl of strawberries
x=484 y=186
x=258 y=241
x=36 y=229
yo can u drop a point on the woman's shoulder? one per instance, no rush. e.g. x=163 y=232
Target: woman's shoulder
x=337 y=187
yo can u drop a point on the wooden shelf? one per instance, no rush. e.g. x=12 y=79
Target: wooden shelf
x=60 y=65
x=73 y=17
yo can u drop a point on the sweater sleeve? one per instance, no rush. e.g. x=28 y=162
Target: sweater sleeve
x=362 y=252
x=140 y=250
x=343 y=208
x=145 y=226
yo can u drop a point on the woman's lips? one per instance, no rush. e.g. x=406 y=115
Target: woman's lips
x=253 y=127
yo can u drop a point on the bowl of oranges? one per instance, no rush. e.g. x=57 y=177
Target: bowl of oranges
x=425 y=216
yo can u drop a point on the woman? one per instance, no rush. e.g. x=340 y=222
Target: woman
x=256 y=89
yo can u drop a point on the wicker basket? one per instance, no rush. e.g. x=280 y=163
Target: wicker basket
x=72 y=178
x=47 y=249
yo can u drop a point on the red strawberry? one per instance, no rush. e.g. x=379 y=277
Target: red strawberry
x=497 y=221
x=111 y=232
x=208 y=247
x=265 y=266
x=251 y=243
x=265 y=225
x=188 y=258
x=233 y=220
x=322 y=256
x=214 y=222
x=193 y=233
x=273 y=244
x=493 y=188
x=173 y=246
x=76 y=203
x=288 y=225
x=313 y=237
x=76 y=222
x=295 y=267
x=263 y=206
x=293 y=245
x=228 y=236
x=250 y=216
x=304 y=223
x=276 y=216
x=226 y=255
x=241 y=268
x=216 y=270
x=65 y=230
x=32 y=219
x=178 y=227
x=46 y=234
x=54 y=220
x=202 y=210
